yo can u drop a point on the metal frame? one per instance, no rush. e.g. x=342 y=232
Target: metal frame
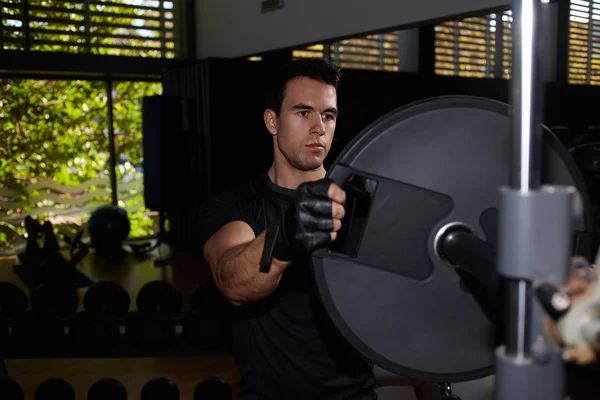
x=528 y=364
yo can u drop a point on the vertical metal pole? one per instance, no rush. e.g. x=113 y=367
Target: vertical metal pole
x=526 y=147
x=111 y=143
x=535 y=228
x=526 y=88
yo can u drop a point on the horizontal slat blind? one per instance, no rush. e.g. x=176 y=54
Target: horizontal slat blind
x=138 y=28
x=377 y=52
x=475 y=46
x=584 y=42
x=373 y=52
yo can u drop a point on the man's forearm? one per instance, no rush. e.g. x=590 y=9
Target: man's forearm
x=239 y=277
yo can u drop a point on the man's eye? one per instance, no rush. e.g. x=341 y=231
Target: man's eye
x=328 y=116
x=303 y=113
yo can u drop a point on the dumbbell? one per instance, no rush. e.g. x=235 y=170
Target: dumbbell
x=152 y=327
x=97 y=328
x=54 y=389
x=53 y=306
x=213 y=388
x=10 y=390
x=160 y=389
x=208 y=325
x=13 y=306
x=107 y=389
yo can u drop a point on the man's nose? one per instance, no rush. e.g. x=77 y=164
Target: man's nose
x=319 y=126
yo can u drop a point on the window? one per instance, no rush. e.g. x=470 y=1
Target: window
x=584 y=42
x=139 y=28
x=477 y=47
x=56 y=164
x=372 y=52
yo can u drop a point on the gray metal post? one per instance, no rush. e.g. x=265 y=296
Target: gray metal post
x=534 y=230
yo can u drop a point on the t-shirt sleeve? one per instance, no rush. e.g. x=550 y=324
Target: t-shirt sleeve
x=218 y=211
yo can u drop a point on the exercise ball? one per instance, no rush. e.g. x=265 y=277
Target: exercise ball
x=108 y=227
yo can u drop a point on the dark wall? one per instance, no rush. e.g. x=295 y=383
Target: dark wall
x=225 y=142
x=241 y=146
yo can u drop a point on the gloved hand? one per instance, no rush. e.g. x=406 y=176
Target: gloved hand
x=311 y=222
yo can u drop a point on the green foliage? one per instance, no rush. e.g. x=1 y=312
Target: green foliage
x=57 y=130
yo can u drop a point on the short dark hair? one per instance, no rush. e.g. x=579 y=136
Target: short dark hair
x=319 y=69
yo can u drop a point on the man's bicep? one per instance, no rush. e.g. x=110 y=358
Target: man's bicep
x=227 y=237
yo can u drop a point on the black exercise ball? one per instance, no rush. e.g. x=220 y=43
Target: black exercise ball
x=108 y=227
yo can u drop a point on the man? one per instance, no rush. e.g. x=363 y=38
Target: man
x=284 y=345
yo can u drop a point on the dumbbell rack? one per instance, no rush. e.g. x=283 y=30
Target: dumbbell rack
x=64 y=333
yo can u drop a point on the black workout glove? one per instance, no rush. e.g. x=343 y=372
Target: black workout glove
x=305 y=225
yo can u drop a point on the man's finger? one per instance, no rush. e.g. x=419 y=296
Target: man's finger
x=333 y=236
x=337 y=224
x=336 y=194
x=337 y=211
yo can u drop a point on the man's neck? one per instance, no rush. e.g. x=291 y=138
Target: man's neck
x=291 y=178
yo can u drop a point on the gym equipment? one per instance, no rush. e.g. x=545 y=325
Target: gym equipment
x=46 y=264
x=33 y=251
x=152 y=327
x=213 y=388
x=422 y=195
x=441 y=197
x=11 y=390
x=52 y=301
x=43 y=330
x=107 y=389
x=208 y=324
x=54 y=389
x=97 y=328
x=160 y=389
x=13 y=301
x=13 y=306
x=108 y=227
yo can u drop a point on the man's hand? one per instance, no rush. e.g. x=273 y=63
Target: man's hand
x=580 y=287
x=313 y=221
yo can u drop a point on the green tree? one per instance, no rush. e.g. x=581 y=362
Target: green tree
x=57 y=130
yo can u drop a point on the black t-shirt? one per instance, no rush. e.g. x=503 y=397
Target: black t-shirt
x=285 y=347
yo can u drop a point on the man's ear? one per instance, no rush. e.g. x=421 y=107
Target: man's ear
x=270 y=121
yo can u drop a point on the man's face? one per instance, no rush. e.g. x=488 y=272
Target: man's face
x=306 y=123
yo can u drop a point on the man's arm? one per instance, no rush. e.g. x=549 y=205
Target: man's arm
x=233 y=254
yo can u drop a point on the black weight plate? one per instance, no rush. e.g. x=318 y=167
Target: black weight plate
x=406 y=176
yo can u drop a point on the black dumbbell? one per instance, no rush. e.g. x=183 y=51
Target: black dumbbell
x=208 y=325
x=107 y=389
x=105 y=307
x=53 y=307
x=13 y=301
x=54 y=301
x=152 y=327
x=54 y=389
x=10 y=390
x=160 y=389
x=213 y=388
x=13 y=306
